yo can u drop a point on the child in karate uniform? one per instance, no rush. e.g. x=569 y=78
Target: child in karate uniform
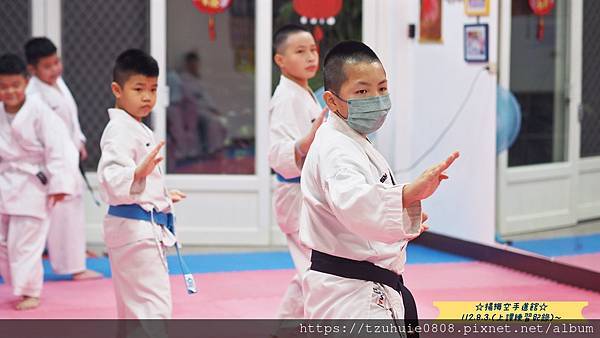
x=295 y=116
x=66 y=237
x=35 y=176
x=132 y=183
x=356 y=218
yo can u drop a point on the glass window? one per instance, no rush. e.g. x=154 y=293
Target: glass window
x=210 y=74
x=538 y=78
x=590 y=109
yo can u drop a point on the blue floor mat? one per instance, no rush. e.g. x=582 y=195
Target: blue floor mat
x=227 y=262
x=418 y=254
x=563 y=246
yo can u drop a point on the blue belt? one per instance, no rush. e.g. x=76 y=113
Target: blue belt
x=134 y=211
x=288 y=180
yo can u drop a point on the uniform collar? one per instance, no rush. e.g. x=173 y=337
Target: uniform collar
x=120 y=114
x=374 y=155
x=36 y=80
x=22 y=114
x=286 y=82
x=340 y=125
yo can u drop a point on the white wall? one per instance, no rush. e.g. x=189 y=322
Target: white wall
x=428 y=83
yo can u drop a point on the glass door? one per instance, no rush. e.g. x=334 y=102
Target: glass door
x=537 y=176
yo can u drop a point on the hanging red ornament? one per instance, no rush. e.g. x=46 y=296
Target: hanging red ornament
x=212 y=7
x=541 y=8
x=318 y=13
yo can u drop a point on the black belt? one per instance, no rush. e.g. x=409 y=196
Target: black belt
x=363 y=270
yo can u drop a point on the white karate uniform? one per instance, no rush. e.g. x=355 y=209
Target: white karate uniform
x=66 y=237
x=292 y=109
x=31 y=142
x=136 y=249
x=348 y=212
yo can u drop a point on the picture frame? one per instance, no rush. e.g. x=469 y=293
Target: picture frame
x=477 y=7
x=476 y=42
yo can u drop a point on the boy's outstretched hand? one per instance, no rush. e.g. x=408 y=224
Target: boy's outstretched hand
x=176 y=195
x=306 y=141
x=426 y=184
x=150 y=162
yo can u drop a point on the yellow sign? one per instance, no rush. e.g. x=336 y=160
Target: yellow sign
x=522 y=311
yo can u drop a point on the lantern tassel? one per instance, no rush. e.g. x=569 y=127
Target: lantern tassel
x=318 y=35
x=540 y=29
x=212 y=34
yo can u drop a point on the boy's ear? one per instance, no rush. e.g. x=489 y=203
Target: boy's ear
x=329 y=99
x=278 y=58
x=116 y=89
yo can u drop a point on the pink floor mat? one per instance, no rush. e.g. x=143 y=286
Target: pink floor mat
x=256 y=294
x=587 y=261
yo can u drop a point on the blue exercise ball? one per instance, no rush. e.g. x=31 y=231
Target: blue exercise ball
x=508 y=119
x=319 y=94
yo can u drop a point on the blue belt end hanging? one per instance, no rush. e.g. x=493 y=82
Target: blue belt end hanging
x=190 y=283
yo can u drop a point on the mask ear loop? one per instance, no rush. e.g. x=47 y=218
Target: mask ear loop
x=336 y=112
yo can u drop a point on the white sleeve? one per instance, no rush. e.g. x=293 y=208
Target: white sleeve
x=283 y=134
x=373 y=211
x=52 y=133
x=77 y=126
x=116 y=170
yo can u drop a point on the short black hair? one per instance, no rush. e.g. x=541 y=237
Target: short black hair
x=134 y=62
x=12 y=64
x=282 y=34
x=38 y=48
x=340 y=55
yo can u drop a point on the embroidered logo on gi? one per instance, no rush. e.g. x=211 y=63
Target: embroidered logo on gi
x=379 y=297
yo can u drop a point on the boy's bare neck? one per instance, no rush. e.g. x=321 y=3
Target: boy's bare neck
x=301 y=82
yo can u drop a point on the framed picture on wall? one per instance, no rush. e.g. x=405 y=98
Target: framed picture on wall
x=477 y=7
x=476 y=42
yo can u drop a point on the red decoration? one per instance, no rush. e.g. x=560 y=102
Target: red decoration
x=430 y=21
x=317 y=13
x=541 y=8
x=212 y=7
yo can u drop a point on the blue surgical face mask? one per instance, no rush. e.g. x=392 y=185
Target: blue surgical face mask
x=367 y=115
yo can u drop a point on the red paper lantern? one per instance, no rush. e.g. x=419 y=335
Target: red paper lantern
x=212 y=7
x=541 y=8
x=317 y=13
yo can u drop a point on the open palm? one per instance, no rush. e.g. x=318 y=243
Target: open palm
x=426 y=184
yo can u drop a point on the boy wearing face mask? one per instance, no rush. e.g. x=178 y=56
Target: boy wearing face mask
x=356 y=218
x=294 y=120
